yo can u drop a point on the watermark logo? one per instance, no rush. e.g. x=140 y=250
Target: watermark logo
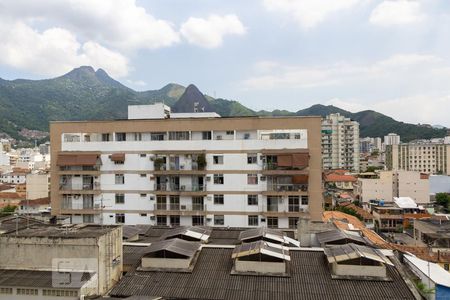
x=73 y=272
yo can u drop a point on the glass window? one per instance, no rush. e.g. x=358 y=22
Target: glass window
x=143 y=155
x=175 y=220
x=106 y=137
x=88 y=218
x=206 y=135
x=294 y=204
x=218 y=199
x=252 y=220
x=252 y=178
x=218 y=179
x=219 y=220
x=198 y=221
x=230 y=132
x=252 y=199
x=143 y=175
x=161 y=202
x=157 y=136
x=293 y=222
x=120 y=198
x=305 y=200
x=218 y=159
x=120 y=218
x=120 y=179
x=161 y=220
x=121 y=136
x=272 y=222
x=252 y=158
x=179 y=135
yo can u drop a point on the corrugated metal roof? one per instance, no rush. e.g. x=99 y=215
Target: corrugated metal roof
x=193 y=232
x=338 y=235
x=176 y=245
x=347 y=252
x=309 y=278
x=261 y=247
x=36 y=279
x=267 y=234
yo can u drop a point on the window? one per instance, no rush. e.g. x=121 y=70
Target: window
x=59 y=293
x=293 y=222
x=137 y=136
x=253 y=220
x=198 y=221
x=106 y=137
x=27 y=292
x=304 y=200
x=219 y=220
x=175 y=220
x=218 y=159
x=120 y=198
x=218 y=199
x=206 y=135
x=218 y=179
x=143 y=175
x=294 y=204
x=120 y=179
x=143 y=215
x=6 y=291
x=179 y=135
x=252 y=158
x=121 y=136
x=88 y=218
x=143 y=155
x=161 y=202
x=120 y=218
x=143 y=195
x=279 y=136
x=230 y=132
x=252 y=178
x=157 y=136
x=161 y=220
x=252 y=199
x=272 y=222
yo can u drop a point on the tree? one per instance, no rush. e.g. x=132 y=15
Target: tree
x=443 y=199
x=8 y=210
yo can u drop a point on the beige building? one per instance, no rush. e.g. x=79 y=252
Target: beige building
x=188 y=169
x=340 y=143
x=37 y=186
x=432 y=158
x=91 y=252
x=389 y=184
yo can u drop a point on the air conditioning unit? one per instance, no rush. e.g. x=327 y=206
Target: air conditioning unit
x=182 y=187
x=181 y=167
x=246 y=136
x=263 y=220
x=152 y=198
x=219 y=137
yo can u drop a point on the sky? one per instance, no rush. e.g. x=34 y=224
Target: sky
x=390 y=56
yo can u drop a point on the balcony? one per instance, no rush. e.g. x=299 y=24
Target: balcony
x=278 y=187
x=167 y=187
x=79 y=187
x=180 y=209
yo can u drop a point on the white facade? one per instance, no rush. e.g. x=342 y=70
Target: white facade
x=256 y=173
x=392 y=139
x=340 y=143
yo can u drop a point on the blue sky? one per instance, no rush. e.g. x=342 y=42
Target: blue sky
x=391 y=56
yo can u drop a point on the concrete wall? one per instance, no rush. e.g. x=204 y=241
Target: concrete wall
x=355 y=270
x=259 y=267
x=165 y=263
x=37 y=186
x=411 y=185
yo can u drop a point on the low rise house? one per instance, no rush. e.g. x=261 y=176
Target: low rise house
x=339 y=179
x=36 y=206
x=59 y=261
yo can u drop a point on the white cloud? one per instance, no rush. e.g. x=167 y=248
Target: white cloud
x=120 y=24
x=401 y=68
x=411 y=109
x=54 y=51
x=309 y=13
x=396 y=12
x=209 y=33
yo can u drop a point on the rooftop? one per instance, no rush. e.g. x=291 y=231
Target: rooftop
x=69 y=231
x=37 y=279
x=309 y=278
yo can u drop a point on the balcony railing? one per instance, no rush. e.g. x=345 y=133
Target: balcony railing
x=180 y=207
x=179 y=188
x=277 y=187
x=79 y=187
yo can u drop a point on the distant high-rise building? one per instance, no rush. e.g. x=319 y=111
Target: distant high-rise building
x=392 y=139
x=427 y=157
x=340 y=143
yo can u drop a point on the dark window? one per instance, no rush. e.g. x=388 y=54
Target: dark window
x=293 y=222
x=218 y=199
x=252 y=199
x=218 y=179
x=121 y=136
x=218 y=159
x=252 y=178
x=206 y=135
x=198 y=221
x=219 y=220
x=120 y=218
x=305 y=200
x=252 y=220
x=272 y=222
x=120 y=179
x=294 y=203
x=120 y=198
x=252 y=158
x=161 y=220
x=175 y=220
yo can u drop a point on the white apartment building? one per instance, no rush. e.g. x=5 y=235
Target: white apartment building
x=425 y=157
x=389 y=184
x=392 y=139
x=188 y=169
x=340 y=143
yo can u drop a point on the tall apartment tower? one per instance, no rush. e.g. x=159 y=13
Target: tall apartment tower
x=340 y=143
x=163 y=168
x=431 y=158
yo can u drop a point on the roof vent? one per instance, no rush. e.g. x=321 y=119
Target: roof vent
x=353 y=261
x=192 y=233
x=267 y=234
